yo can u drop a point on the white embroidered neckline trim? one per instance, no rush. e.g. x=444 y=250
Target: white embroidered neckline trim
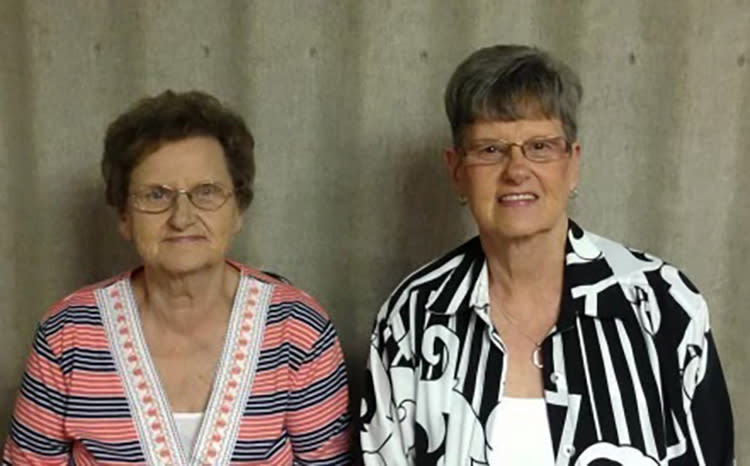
x=152 y=416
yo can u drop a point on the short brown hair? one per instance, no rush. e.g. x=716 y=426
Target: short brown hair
x=172 y=116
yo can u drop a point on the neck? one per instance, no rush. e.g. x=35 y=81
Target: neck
x=528 y=269
x=185 y=302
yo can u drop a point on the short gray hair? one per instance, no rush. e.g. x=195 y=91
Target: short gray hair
x=512 y=82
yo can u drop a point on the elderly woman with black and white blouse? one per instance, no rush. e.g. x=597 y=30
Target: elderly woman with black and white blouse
x=537 y=342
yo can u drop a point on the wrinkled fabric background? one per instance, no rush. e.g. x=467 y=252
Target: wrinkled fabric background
x=345 y=101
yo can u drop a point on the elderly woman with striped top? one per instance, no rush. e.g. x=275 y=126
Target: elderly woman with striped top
x=537 y=342
x=191 y=358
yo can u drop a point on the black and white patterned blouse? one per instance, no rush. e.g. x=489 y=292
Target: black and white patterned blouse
x=631 y=373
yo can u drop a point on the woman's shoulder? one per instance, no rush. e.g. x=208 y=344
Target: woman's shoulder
x=627 y=262
x=643 y=275
x=265 y=276
x=76 y=319
x=81 y=301
x=287 y=300
x=438 y=279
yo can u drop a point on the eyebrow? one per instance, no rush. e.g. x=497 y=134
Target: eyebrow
x=167 y=185
x=490 y=140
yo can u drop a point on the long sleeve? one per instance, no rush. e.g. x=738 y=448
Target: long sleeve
x=707 y=426
x=37 y=435
x=317 y=417
x=710 y=412
x=387 y=424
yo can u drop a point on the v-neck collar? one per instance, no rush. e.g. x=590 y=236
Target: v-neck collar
x=149 y=406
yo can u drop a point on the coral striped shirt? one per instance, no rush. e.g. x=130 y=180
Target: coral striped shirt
x=90 y=392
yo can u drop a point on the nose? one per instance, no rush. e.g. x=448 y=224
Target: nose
x=182 y=214
x=516 y=168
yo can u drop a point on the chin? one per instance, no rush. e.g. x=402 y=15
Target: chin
x=186 y=264
x=518 y=233
x=521 y=230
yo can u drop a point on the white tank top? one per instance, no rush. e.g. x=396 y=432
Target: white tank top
x=520 y=434
x=188 y=425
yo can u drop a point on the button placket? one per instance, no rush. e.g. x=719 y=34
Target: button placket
x=558 y=380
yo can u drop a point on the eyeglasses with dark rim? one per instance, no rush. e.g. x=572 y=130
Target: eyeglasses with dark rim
x=155 y=199
x=540 y=150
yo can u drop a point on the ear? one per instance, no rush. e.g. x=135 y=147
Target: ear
x=124 y=225
x=574 y=166
x=239 y=219
x=454 y=162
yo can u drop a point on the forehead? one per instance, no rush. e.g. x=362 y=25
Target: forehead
x=182 y=163
x=513 y=131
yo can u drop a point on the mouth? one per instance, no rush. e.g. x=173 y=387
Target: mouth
x=185 y=239
x=517 y=198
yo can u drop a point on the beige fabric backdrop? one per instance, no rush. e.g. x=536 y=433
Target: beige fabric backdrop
x=344 y=98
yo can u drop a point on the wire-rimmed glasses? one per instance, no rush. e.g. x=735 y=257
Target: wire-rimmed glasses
x=155 y=199
x=540 y=150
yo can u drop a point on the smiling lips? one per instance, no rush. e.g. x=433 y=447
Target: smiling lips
x=517 y=199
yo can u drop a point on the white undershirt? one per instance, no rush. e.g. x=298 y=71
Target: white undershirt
x=188 y=425
x=520 y=434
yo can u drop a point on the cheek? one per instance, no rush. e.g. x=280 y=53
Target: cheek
x=145 y=234
x=481 y=183
x=223 y=227
x=482 y=192
x=557 y=181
